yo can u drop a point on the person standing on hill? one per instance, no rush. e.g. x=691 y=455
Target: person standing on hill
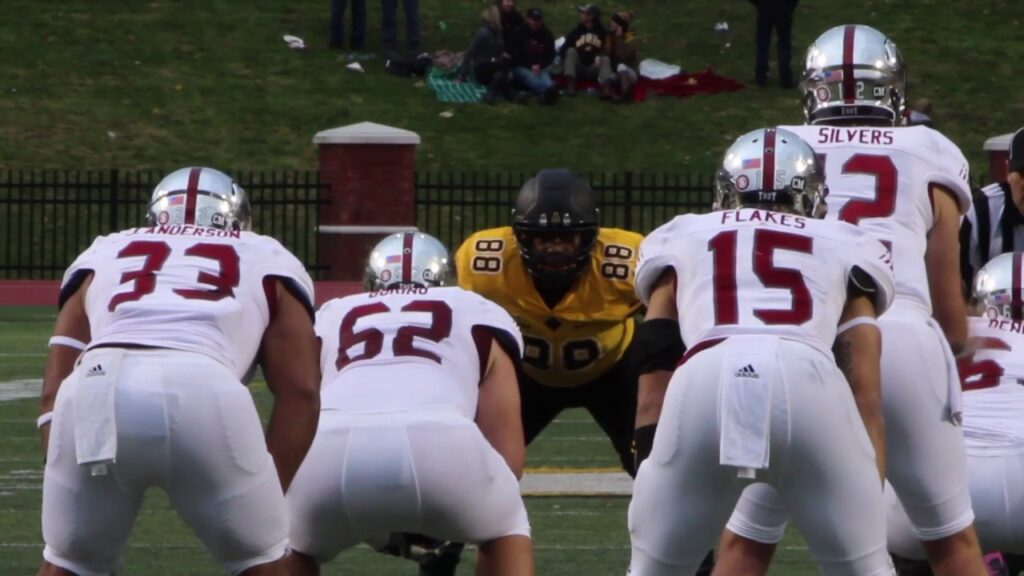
x=389 y=24
x=777 y=15
x=358 y=24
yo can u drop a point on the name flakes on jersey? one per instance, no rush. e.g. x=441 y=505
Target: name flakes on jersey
x=765 y=216
x=865 y=136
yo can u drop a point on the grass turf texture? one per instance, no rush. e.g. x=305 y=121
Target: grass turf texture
x=572 y=535
x=132 y=84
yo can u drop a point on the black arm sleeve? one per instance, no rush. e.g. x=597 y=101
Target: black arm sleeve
x=659 y=345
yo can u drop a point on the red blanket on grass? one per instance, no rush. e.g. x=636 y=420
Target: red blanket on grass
x=680 y=85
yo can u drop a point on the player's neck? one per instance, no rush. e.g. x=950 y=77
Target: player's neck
x=552 y=290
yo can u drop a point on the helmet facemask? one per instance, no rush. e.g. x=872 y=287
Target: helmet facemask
x=556 y=254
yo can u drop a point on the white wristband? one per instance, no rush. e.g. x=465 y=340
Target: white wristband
x=44 y=419
x=856 y=322
x=66 y=341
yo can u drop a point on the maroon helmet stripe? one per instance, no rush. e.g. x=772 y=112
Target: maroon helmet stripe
x=768 y=178
x=1016 y=303
x=192 y=195
x=849 y=85
x=407 y=258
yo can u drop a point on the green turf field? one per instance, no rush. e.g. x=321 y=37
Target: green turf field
x=572 y=535
x=96 y=84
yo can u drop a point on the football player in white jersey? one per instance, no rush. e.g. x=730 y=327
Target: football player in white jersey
x=993 y=381
x=144 y=385
x=420 y=429
x=906 y=186
x=774 y=306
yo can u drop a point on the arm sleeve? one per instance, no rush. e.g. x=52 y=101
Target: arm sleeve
x=85 y=264
x=656 y=256
x=471 y=53
x=505 y=329
x=284 y=266
x=873 y=259
x=951 y=170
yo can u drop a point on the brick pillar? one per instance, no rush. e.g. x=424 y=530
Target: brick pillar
x=998 y=150
x=369 y=172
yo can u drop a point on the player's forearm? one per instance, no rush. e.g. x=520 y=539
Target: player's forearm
x=650 y=396
x=293 y=423
x=858 y=351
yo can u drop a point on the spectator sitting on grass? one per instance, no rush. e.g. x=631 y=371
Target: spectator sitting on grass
x=582 y=51
x=619 y=69
x=511 y=20
x=533 y=50
x=486 y=58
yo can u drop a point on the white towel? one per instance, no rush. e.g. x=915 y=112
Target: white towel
x=955 y=402
x=95 y=423
x=745 y=403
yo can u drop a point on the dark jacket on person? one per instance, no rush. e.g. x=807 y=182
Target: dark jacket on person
x=511 y=22
x=531 y=47
x=622 y=50
x=487 y=46
x=588 y=42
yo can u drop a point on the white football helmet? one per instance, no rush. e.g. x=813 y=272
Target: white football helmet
x=771 y=167
x=854 y=74
x=201 y=197
x=999 y=286
x=408 y=259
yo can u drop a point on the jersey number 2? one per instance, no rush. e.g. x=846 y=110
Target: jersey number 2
x=372 y=339
x=766 y=242
x=156 y=253
x=884 y=203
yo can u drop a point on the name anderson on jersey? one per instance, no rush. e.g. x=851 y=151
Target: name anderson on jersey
x=185 y=230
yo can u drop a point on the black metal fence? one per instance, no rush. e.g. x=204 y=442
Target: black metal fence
x=48 y=217
x=454 y=205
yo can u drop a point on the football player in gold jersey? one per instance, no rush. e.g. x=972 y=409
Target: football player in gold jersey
x=569 y=285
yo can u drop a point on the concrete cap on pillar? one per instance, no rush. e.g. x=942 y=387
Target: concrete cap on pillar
x=366 y=133
x=998 y=143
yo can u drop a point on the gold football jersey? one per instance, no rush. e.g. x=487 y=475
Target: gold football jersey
x=588 y=331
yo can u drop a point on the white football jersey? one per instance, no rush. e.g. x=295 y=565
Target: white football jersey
x=409 y=349
x=880 y=179
x=186 y=288
x=750 y=271
x=993 y=382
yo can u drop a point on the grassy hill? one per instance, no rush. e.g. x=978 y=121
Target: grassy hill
x=161 y=83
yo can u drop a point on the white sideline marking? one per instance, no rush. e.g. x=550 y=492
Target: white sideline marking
x=20 y=389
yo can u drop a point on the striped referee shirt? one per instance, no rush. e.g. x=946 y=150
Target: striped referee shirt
x=993 y=225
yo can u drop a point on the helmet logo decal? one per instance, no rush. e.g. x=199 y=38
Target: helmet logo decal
x=385 y=275
x=798 y=183
x=742 y=182
x=822 y=94
x=407 y=258
x=163 y=218
x=543 y=220
x=192 y=195
x=768 y=177
x=556 y=218
x=849 y=86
